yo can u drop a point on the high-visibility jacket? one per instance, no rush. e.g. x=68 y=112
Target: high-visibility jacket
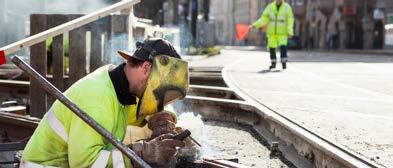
x=63 y=140
x=277 y=22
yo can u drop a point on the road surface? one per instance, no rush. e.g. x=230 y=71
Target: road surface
x=345 y=98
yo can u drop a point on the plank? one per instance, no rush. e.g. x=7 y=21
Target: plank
x=97 y=29
x=77 y=57
x=57 y=51
x=119 y=23
x=108 y=43
x=38 y=61
x=119 y=31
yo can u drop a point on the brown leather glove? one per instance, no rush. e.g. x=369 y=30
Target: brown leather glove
x=159 y=151
x=161 y=123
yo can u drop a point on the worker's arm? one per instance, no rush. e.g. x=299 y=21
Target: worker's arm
x=290 y=21
x=85 y=146
x=263 y=20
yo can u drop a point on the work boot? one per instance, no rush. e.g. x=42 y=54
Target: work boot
x=284 y=65
x=272 y=66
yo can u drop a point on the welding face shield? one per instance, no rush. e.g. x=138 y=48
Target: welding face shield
x=168 y=81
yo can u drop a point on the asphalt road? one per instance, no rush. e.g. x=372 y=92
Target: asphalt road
x=345 y=98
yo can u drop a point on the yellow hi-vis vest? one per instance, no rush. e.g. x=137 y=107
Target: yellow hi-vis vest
x=63 y=140
x=278 y=22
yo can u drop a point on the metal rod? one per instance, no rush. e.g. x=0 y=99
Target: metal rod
x=49 y=88
x=195 y=141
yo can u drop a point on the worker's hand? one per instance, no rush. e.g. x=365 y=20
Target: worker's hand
x=158 y=151
x=250 y=26
x=290 y=36
x=161 y=123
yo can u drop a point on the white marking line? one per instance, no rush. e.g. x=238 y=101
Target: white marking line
x=326 y=96
x=325 y=79
x=339 y=112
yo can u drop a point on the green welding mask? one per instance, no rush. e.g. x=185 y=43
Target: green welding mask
x=168 y=82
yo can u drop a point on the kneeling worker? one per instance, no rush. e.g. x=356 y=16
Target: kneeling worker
x=115 y=96
x=277 y=20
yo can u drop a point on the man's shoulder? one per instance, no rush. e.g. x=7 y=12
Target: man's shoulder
x=98 y=76
x=286 y=5
x=271 y=4
x=97 y=82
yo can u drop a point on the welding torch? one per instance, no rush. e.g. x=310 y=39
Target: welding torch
x=186 y=134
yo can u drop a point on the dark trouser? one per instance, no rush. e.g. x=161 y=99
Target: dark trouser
x=379 y=38
x=283 y=54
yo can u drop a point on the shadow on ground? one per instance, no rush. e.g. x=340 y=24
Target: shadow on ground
x=269 y=71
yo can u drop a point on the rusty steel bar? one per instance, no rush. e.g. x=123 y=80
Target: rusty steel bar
x=49 y=88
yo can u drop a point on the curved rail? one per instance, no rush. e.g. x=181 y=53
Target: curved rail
x=212 y=91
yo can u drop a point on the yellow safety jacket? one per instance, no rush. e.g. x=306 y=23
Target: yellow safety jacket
x=63 y=140
x=277 y=22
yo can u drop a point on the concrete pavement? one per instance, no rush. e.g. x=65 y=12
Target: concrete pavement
x=344 y=98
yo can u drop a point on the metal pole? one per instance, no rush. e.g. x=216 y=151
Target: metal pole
x=49 y=88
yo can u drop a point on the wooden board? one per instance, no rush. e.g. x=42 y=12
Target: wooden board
x=77 y=57
x=119 y=31
x=38 y=61
x=57 y=51
x=97 y=29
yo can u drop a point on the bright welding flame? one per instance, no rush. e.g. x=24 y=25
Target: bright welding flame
x=191 y=122
x=194 y=123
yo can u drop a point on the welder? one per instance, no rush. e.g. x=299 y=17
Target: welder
x=277 y=20
x=132 y=93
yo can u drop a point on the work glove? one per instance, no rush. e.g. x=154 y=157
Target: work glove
x=159 y=151
x=161 y=123
x=190 y=148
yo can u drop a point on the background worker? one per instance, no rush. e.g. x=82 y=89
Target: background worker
x=114 y=96
x=277 y=20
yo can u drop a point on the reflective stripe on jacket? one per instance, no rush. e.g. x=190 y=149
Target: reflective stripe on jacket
x=63 y=140
x=278 y=22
